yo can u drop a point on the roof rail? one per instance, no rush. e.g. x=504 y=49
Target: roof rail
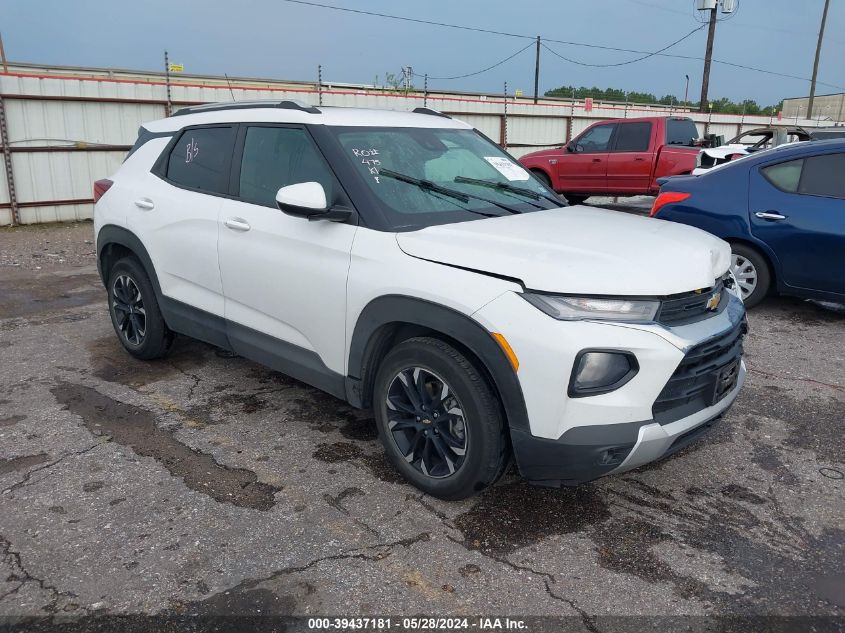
x=431 y=112
x=289 y=104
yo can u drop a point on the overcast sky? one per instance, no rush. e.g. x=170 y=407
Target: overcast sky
x=276 y=39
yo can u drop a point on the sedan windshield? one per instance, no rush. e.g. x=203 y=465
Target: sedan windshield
x=436 y=176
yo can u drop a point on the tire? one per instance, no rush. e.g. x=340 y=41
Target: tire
x=463 y=452
x=752 y=273
x=574 y=199
x=542 y=177
x=134 y=311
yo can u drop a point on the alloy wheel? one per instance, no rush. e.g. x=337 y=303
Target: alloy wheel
x=745 y=274
x=426 y=422
x=128 y=308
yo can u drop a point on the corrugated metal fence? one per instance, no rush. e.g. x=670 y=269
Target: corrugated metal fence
x=66 y=128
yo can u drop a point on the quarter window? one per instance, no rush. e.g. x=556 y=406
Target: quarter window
x=275 y=157
x=633 y=137
x=785 y=176
x=200 y=159
x=596 y=139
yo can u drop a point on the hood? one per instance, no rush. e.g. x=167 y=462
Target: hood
x=579 y=250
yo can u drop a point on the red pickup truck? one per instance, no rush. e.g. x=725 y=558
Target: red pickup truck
x=621 y=157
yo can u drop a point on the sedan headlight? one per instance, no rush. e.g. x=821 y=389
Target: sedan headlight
x=581 y=308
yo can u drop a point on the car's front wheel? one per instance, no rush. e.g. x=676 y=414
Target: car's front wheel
x=752 y=274
x=134 y=311
x=439 y=419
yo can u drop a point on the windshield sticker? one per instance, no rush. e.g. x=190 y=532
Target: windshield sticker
x=372 y=164
x=509 y=170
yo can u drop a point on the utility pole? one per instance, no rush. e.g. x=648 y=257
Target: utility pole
x=537 y=70
x=168 y=106
x=816 y=62
x=708 y=57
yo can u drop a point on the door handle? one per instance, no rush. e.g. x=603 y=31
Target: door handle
x=770 y=215
x=639 y=159
x=597 y=160
x=237 y=224
x=145 y=203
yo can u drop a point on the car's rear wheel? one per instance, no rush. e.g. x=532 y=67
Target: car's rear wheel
x=134 y=311
x=439 y=419
x=752 y=274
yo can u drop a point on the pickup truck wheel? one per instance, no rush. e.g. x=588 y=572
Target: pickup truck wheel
x=574 y=199
x=439 y=419
x=134 y=311
x=542 y=177
x=752 y=274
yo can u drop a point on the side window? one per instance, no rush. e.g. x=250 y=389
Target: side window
x=275 y=157
x=596 y=139
x=200 y=159
x=784 y=176
x=823 y=176
x=633 y=137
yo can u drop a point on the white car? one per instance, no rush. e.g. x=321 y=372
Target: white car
x=402 y=261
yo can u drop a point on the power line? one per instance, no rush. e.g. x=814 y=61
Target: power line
x=564 y=42
x=630 y=61
x=478 y=72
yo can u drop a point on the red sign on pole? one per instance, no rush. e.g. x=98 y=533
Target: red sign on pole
x=780 y=115
x=588 y=104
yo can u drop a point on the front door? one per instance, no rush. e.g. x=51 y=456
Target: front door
x=583 y=167
x=284 y=277
x=798 y=208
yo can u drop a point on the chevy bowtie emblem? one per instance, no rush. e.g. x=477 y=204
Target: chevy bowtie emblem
x=713 y=301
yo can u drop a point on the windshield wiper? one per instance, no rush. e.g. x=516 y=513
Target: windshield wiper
x=522 y=191
x=427 y=185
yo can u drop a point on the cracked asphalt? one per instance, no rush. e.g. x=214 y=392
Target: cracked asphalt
x=204 y=484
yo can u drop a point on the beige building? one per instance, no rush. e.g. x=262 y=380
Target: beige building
x=826 y=107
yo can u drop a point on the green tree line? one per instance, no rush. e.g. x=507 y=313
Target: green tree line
x=723 y=105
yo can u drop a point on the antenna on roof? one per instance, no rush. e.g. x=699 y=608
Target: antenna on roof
x=229 y=83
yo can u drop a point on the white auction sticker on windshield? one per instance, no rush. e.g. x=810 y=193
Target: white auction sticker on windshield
x=509 y=170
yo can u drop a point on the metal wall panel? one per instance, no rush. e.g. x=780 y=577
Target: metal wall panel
x=46 y=176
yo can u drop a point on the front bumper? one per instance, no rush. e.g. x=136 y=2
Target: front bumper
x=571 y=441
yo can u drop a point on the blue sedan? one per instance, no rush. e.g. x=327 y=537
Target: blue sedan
x=783 y=212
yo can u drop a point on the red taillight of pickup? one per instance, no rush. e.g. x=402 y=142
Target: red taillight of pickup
x=666 y=198
x=100 y=188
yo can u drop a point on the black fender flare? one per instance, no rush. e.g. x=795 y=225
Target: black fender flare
x=401 y=309
x=113 y=234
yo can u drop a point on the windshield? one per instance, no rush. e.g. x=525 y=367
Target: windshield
x=427 y=170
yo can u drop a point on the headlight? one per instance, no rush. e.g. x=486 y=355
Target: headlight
x=580 y=308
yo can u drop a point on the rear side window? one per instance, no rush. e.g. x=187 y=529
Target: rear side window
x=633 y=137
x=681 y=132
x=785 y=176
x=824 y=176
x=200 y=159
x=275 y=157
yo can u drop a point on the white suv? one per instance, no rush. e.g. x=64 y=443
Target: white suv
x=402 y=261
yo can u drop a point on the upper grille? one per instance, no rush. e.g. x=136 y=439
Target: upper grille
x=690 y=306
x=693 y=385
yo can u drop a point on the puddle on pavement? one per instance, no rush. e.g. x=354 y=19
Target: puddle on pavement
x=112 y=363
x=376 y=463
x=510 y=516
x=26 y=296
x=21 y=463
x=136 y=428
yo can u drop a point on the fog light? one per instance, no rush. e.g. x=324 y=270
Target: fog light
x=596 y=372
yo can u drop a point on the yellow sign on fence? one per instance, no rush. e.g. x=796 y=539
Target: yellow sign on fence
x=176 y=68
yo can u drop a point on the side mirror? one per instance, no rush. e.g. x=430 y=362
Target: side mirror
x=308 y=200
x=572 y=147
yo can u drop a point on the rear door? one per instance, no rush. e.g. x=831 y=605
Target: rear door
x=175 y=213
x=584 y=168
x=631 y=157
x=797 y=207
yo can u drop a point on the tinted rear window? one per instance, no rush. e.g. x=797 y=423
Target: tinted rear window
x=823 y=176
x=680 y=132
x=633 y=137
x=200 y=159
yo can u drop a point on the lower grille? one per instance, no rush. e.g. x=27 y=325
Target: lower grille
x=707 y=373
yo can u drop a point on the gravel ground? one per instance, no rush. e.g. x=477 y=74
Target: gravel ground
x=204 y=485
